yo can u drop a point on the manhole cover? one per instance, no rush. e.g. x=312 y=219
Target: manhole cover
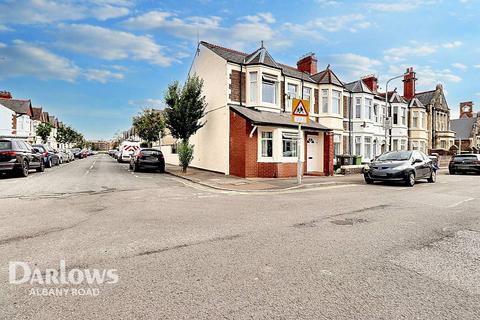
x=349 y=221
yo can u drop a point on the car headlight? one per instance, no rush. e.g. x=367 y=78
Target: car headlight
x=398 y=168
x=367 y=167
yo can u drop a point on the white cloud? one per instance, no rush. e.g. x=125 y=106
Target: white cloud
x=354 y=66
x=459 y=65
x=50 y=11
x=454 y=44
x=328 y=3
x=148 y=103
x=102 y=75
x=399 y=5
x=247 y=30
x=427 y=76
x=110 y=44
x=109 y=12
x=25 y=59
x=402 y=53
x=477 y=66
x=349 y=22
x=4 y=28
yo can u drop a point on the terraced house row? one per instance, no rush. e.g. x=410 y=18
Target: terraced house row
x=248 y=130
x=19 y=119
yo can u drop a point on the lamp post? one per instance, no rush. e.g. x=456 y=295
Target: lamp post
x=389 y=131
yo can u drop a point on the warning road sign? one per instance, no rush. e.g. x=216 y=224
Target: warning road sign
x=300 y=110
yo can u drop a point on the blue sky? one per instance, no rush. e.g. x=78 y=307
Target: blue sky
x=96 y=63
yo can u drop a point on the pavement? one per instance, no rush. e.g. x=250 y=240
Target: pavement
x=183 y=250
x=221 y=181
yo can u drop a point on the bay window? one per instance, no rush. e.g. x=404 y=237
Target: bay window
x=376 y=113
x=395 y=115
x=337 y=138
x=415 y=120
x=267 y=144
x=404 y=116
x=368 y=109
x=358 y=146
x=269 y=89
x=253 y=86
x=307 y=94
x=336 y=97
x=368 y=148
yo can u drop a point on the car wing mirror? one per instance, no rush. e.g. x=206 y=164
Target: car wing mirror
x=417 y=160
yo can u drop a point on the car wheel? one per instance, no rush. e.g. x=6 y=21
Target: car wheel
x=24 y=167
x=452 y=172
x=49 y=163
x=368 y=181
x=42 y=167
x=433 y=177
x=58 y=162
x=161 y=169
x=410 y=179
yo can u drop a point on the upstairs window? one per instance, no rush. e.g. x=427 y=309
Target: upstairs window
x=307 y=94
x=368 y=109
x=395 y=115
x=292 y=90
x=358 y=108
x=336 y=97
x=269 y=89
x=404 y=116
x=325 y=100
x=375 y=113
x=415 y=120
x=253 y=86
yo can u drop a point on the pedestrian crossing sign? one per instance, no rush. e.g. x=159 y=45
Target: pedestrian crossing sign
x=300 y=110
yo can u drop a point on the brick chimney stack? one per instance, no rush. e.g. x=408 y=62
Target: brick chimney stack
x=409 y=84
x=372 y=82
x=466 y=109
x=308 y=64
x=5 y=95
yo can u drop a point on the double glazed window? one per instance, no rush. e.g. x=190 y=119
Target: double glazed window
x=358 y=108
x=289 y=146
x=269 y=89
x=325 y=100
x=267 y=144
x=307 y=94
x=368 y=148
x=404 y=116
x=395 y=115
x=375 y=113
x=337 y=138
x=336 y=97
x=368 y=109
x=415 y=120
x=253 y=86
x=292 y=94
x=358 y=145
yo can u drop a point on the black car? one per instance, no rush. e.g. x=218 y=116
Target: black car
x=19 y=157
x=401 y=166
x=147 y=159
x=49 y=156
x=464 y=163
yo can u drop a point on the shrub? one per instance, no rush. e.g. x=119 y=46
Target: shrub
x=185 y=154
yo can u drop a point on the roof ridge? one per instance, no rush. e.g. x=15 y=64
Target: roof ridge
x=426 y=91
x=228 y=49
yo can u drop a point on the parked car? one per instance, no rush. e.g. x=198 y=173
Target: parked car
x=63 y=157
x=19 y=157
x=401 y=166
x=112 y=152
x=50 y=158
x=147 y=158
x=68 y=155
x=77 y=152
x=85 y=153
x=464 y=163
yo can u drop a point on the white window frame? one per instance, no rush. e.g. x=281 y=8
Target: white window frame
x=336 y=94
x=367 y=144
x=270 y=80
x=415 y=119
x=294 y=143
x=324 y=100
x=368 y=108
x=291 y=96
x=253 y=80
x=358 y=145
x=264 y=138
x=358 y=108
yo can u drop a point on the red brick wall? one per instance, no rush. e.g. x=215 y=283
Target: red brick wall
x=243 y=154
x=328 y=154
x=235 y=86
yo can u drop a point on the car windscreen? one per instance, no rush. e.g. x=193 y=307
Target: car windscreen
x=5 y=145
x=151 y=153
x=466 y=157
x=395 y=156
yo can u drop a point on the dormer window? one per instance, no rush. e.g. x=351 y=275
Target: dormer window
x=269 y=89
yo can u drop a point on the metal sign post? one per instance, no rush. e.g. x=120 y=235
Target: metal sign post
x=300 y=111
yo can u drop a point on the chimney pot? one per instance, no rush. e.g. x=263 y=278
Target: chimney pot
x=409 y=84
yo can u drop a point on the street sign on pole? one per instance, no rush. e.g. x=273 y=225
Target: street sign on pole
x=300 y=111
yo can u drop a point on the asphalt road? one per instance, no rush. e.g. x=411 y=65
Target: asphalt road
x=185 y=252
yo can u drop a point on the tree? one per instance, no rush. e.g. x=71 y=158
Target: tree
x=149 y=125
x=43 y=131
x=184 y=112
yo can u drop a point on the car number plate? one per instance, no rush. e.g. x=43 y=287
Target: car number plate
x=380 y=173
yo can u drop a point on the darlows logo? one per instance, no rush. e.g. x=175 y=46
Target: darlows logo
x=23 y=273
